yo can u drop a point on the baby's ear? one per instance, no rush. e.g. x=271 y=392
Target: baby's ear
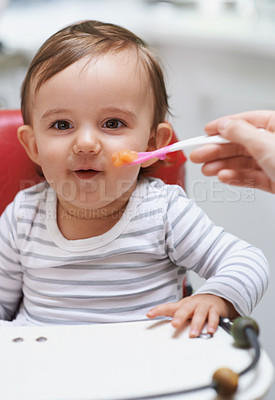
x=160 y=138
x=26 y=137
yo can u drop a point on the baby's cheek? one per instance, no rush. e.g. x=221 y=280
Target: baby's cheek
x=124 y=157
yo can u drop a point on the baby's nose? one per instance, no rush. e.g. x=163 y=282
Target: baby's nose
x=86 y=141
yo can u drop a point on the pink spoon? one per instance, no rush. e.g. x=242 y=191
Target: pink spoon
x=128 y=157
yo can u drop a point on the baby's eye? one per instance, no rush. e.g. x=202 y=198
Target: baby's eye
x=113 y=124
x=62 y=125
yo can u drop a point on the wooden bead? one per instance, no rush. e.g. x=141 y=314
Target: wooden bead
x=225 y=381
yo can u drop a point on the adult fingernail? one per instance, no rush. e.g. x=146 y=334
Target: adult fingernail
x=223 y=124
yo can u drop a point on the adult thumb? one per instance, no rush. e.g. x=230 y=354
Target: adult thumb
x=256 y=141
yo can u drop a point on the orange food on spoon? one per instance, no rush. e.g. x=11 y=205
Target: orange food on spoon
x=123 y=157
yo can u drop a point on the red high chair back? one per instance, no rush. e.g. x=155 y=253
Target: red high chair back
x=18 y=172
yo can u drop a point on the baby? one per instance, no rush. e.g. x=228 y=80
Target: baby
x=97 y=243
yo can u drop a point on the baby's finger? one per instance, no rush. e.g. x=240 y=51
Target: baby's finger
x=168 y=310
x=198 y=321
x=213 y=321
x=182 y=315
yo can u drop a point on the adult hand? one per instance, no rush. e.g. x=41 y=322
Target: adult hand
x=250 y=159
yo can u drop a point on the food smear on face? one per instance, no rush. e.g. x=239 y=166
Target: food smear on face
x=123 y=157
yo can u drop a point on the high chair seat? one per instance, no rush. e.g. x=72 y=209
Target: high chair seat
x=18 y=172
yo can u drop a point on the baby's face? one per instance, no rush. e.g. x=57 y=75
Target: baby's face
x=84 y=114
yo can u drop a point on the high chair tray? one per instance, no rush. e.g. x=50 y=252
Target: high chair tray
x=121 y=361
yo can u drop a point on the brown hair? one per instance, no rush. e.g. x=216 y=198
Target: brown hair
x=90 y=38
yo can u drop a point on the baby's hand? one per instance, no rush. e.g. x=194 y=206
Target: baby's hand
x=199 y=308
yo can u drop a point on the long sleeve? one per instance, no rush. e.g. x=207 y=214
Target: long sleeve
x=10 y=268
x=233 y=269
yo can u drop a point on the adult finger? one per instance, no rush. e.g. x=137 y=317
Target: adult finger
x=259 y=144
x=252 y=179
x=211 y=152
x=243 y=163
x=258 y=118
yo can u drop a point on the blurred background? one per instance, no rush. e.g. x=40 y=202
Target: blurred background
x=218 y=57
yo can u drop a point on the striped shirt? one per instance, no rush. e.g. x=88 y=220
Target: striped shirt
x=119 y=275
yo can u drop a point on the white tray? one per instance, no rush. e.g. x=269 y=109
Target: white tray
x=119 y=361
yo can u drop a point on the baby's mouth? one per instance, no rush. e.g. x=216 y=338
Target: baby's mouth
x=86 y=173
